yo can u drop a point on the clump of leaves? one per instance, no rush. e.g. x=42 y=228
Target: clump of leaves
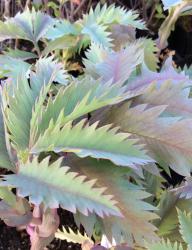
x=91 y=144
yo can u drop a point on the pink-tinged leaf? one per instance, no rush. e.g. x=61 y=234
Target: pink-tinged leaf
x=167 y=139
x=13 y=216
x=115 y=66
x=147 y=77
x=55 y=186
x=185 y=190
x=175 y=96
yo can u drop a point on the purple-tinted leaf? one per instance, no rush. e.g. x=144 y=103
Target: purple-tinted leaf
x=185 y=191
x=147 y=77
x=12 y=216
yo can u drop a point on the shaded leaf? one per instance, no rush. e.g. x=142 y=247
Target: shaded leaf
x=85 y=140
x=54 y=185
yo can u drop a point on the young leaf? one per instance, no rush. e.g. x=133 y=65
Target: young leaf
x=29 y=25
x=115 y=65
x=85 y=140
x=185 y=221
x=164 y=245
x=71 y=236
x=54 y=185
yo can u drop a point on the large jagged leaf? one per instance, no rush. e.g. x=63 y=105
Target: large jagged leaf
x=175 y=96
x=5 y=161
x=164 y=245
x=85 y=140
x=20 y=54
x=168 y=72
x=54 y=185
x=97 y=34
x=185 y=190
x=167 y=210
x=135 y=223
x=114 y=65
x=70 y=236
x=64 y=42
x=13 y=67
x=112 y=14
x=168 y=139
x=85 y=96
x=29 y=25
x=61 y=28
x=185 y=222
x=20 y=97
x=150 y=54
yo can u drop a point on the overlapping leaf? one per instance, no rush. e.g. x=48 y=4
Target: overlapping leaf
x=85 y=140
x=19 y=102
x=164 y=245
x=29 y=25
x=71 y=236
x=114 y=65
x=135 y=223
x=168 y=139
x=85 y=96
x=185 y=221
x=54 y=185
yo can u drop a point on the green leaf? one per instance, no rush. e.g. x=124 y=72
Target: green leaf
x=164 y=245
x=167 y=139
x=63 y=42
x=117 y=66
x=20 y=98
x=20 y=54
x=70 y=236
x=85 y=140
x=150 y=54
x=85 y=96
x=13 y=67
x=168 y=205
x=136 y=211
x=97 y=34
x=185 y=221
x=58 y=186
x=29 y=25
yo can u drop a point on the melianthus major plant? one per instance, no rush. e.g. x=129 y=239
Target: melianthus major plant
x=95 y=144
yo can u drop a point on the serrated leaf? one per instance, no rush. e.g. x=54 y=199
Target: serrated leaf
x=150 y=54
x=164 y=245
x=170 y=3
x=61 y=28
x=13 y=67
x=29 y=25
x=17 y=214
x=185 y=221
x=63 y=42
x=20 y=54
x=20 y=98
x=85 y=140
x=70 y=236
x=174 y=95
x=168 y=72
x=58 y=186
x=185 y=191
x=114 y=65
x=137 y=213
x=168 y=139
x=97 y=34
x=85 y=96
x=168 y=212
